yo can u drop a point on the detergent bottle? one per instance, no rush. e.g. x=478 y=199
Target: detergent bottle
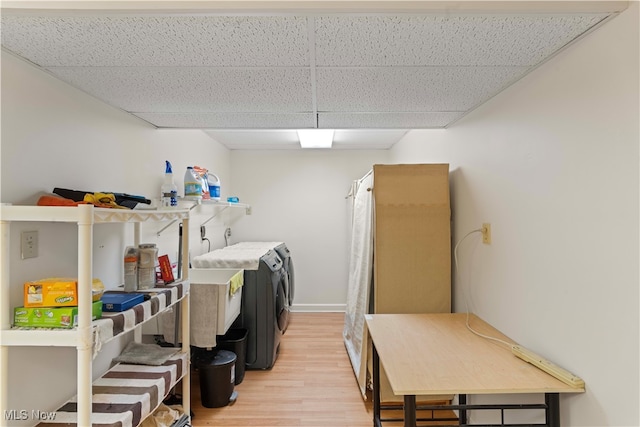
x=192 y=185
x=202 y=174
x=169 y=190
x=214 y=185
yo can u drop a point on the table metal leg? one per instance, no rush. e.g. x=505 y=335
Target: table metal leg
x=462 y=400
x=376 y=388
x=553 y=409
x=410 y=417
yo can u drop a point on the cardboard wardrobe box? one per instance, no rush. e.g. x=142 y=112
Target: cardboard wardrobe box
x=412 y=244
x=412 y=238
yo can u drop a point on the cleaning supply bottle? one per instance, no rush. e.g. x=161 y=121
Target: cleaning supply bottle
x=214 y=185
x=202 y=174
x=169 y=190
x=131 y=257
x=192 y=185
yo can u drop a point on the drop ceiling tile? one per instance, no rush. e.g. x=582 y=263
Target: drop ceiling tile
x=350 y=139
x=149 y=40
x=262 y=139
x=194 y=89
x=386 y=120
x=501 y=40
x=369 y=139
x=409 y=89
x=191 y=70
x=230 y=120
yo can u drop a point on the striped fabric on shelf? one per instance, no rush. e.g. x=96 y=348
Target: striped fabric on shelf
x=114 y=323
x=125 y=395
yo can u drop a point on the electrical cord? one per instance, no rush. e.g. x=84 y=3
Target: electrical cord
x=209 y=242
x=467 y=292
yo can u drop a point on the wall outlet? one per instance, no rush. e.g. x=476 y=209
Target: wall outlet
x=486 y=233
x=203 y=232
x=29 y=244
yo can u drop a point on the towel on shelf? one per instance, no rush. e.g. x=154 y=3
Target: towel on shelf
x=54 y=200
x=145 y=354
x=230 y=257
x=203 y=318
x=102 y=200
x=254 y=245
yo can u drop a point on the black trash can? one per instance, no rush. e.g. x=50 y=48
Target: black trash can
x=217 y=377
x=235 y=340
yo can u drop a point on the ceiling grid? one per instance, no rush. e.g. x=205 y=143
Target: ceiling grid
x=311 y=33
x=284 y=71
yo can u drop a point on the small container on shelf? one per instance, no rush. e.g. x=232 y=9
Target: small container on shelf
x=131 y=256
x=147 y=265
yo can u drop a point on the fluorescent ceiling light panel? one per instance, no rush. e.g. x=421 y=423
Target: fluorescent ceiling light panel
x=315 y=138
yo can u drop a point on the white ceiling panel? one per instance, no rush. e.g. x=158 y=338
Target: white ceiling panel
x=283 y=67
x=351 y=139
x=406 y=120
x=194 y=89
x=126 y=41
x=377 y=139
x=468 y=40
x=230 y=120
x=410 y=89
x=256 y=139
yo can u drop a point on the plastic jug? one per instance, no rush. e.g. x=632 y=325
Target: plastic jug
x=214 y=185
x=202 y=174
x=192 y=185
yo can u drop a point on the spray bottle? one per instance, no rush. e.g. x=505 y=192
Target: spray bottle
x=169 y=190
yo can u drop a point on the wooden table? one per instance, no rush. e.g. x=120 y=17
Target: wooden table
x=436 y=354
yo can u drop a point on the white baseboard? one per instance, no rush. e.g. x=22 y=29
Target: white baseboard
x=318 y=308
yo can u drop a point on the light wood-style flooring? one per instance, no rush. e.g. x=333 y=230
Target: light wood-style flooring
x=311 y=384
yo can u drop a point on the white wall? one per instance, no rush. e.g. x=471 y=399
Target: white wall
x=56 y=136
x=299 y=197
x=552 y=164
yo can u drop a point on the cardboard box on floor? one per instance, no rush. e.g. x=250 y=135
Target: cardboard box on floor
x=412 y=243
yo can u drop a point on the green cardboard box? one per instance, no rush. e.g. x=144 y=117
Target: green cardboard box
x=52 y=317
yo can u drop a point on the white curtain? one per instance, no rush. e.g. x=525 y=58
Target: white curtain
x=360 y=277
